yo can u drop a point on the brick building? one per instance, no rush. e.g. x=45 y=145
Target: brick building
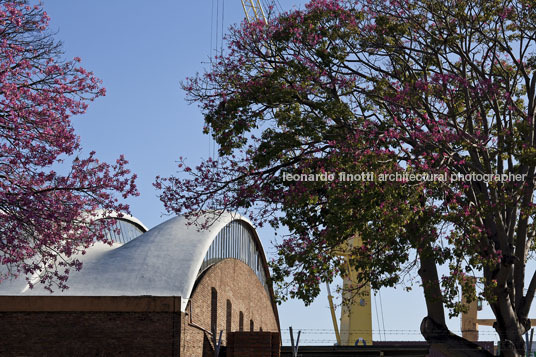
x=171 y=291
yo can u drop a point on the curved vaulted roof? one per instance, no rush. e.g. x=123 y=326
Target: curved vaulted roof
x=164 y=261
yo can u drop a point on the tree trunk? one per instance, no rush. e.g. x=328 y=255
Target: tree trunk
x=441 y=339
x=509 y=325
x=433 y=327
x=512 y=343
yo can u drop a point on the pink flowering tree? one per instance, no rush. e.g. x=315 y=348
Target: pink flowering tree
x=434 y=98
x=47 y=217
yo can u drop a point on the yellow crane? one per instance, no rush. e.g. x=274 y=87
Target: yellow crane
x=253 y=10
x=356 y=319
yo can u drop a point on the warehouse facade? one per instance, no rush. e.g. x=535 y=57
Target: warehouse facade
x=173 y=290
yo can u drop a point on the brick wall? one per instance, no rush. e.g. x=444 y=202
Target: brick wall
x=253 y=344
x=94 y=326
x=238 y=292
x=138 y=326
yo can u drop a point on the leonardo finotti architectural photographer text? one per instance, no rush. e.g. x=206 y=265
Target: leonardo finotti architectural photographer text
x=402 y=177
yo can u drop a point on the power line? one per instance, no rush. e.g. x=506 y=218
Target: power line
x=211 y=28
x=217 y=24
x=279 y=4
x=222 y=26
x=211 y=51
x=377 y=316
x=381 y=307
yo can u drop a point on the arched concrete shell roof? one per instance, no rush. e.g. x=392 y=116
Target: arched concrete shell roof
x=164 y=261
x=130 y=219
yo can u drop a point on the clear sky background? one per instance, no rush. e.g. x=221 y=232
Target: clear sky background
x=142 y=50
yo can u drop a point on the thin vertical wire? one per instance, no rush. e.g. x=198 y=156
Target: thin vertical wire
x=214 y=146
x=222 y=26
x=279 y=5
x=383 y=319
x=211 y=29
x=266 y=5
x=377 y=316
x=211 y=51
x=217 y=25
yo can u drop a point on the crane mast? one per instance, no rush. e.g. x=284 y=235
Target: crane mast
x=356 y=319
x=253 y=10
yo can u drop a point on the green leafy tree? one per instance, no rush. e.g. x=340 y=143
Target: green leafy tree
x=442 y=90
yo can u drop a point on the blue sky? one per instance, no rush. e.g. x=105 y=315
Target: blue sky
x=142 y=50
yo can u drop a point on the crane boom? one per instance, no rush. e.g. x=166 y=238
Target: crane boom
x=253 y=10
